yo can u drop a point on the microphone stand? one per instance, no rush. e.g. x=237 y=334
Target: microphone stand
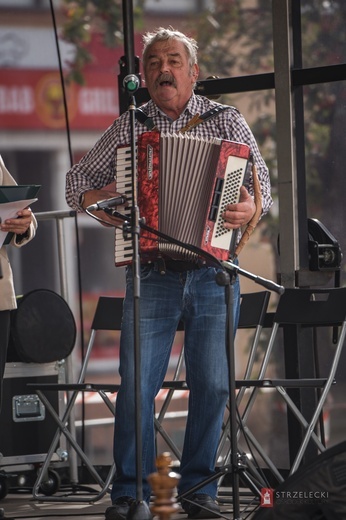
x=226 y=278
x=139 y=510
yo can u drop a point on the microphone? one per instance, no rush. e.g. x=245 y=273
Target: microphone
x=131 y=83
x=107 y=203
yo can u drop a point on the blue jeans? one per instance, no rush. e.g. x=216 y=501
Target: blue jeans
x=195 y=298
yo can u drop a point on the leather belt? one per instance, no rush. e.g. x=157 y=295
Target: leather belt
x=179 y=266
x=176 y=266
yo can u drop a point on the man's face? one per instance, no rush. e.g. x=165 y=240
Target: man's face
x=169 y=77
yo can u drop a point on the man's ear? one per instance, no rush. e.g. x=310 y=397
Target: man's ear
x=195 y=71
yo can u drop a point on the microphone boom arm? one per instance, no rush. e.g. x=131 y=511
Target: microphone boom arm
x=225 y=265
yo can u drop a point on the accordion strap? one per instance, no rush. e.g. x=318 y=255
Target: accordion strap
x=198 y=119
x=143 y=118
x=254 y=221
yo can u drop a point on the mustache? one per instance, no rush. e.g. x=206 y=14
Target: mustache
x=166 y=77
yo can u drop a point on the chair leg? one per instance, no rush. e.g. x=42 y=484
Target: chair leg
x=310 y=427
x=63 y=429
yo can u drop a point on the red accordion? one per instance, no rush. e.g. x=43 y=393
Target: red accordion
x=184 y=184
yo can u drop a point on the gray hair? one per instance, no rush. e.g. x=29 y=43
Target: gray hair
x=162 y=34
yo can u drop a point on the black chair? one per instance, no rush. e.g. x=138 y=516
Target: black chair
x=305 y=308
x=108 y=315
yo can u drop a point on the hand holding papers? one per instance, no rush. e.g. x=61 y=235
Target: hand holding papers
x=13 y=199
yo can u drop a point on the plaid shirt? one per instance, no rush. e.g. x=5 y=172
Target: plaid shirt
x=98 y=167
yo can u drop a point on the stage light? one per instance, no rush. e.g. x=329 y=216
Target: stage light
x=324 y=250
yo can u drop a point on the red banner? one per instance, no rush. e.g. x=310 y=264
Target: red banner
x=33 y=99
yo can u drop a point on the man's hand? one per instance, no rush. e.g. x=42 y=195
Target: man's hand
x=93 y=196
x=238 y=215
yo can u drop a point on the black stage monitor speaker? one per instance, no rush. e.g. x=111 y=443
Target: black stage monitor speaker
x=316 y=491
x=43 y=328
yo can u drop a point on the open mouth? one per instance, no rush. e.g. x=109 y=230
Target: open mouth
x=165 y=83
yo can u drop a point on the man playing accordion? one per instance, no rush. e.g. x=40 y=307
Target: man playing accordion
x=173 y=292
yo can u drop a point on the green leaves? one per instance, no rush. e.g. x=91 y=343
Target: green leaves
x=84 y=18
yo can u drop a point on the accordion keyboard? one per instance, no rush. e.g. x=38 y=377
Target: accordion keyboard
x=124 y=251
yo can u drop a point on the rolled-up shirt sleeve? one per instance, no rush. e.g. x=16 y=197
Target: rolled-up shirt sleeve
x=95 y=170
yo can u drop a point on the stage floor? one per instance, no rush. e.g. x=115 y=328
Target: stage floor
x=22 y=505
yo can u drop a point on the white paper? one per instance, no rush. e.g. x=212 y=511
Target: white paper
x=10 y=210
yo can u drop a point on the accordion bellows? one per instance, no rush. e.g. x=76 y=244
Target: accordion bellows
x=184 y=182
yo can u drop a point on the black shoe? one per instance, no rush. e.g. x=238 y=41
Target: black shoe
x=120 y=508
x=195 y=511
